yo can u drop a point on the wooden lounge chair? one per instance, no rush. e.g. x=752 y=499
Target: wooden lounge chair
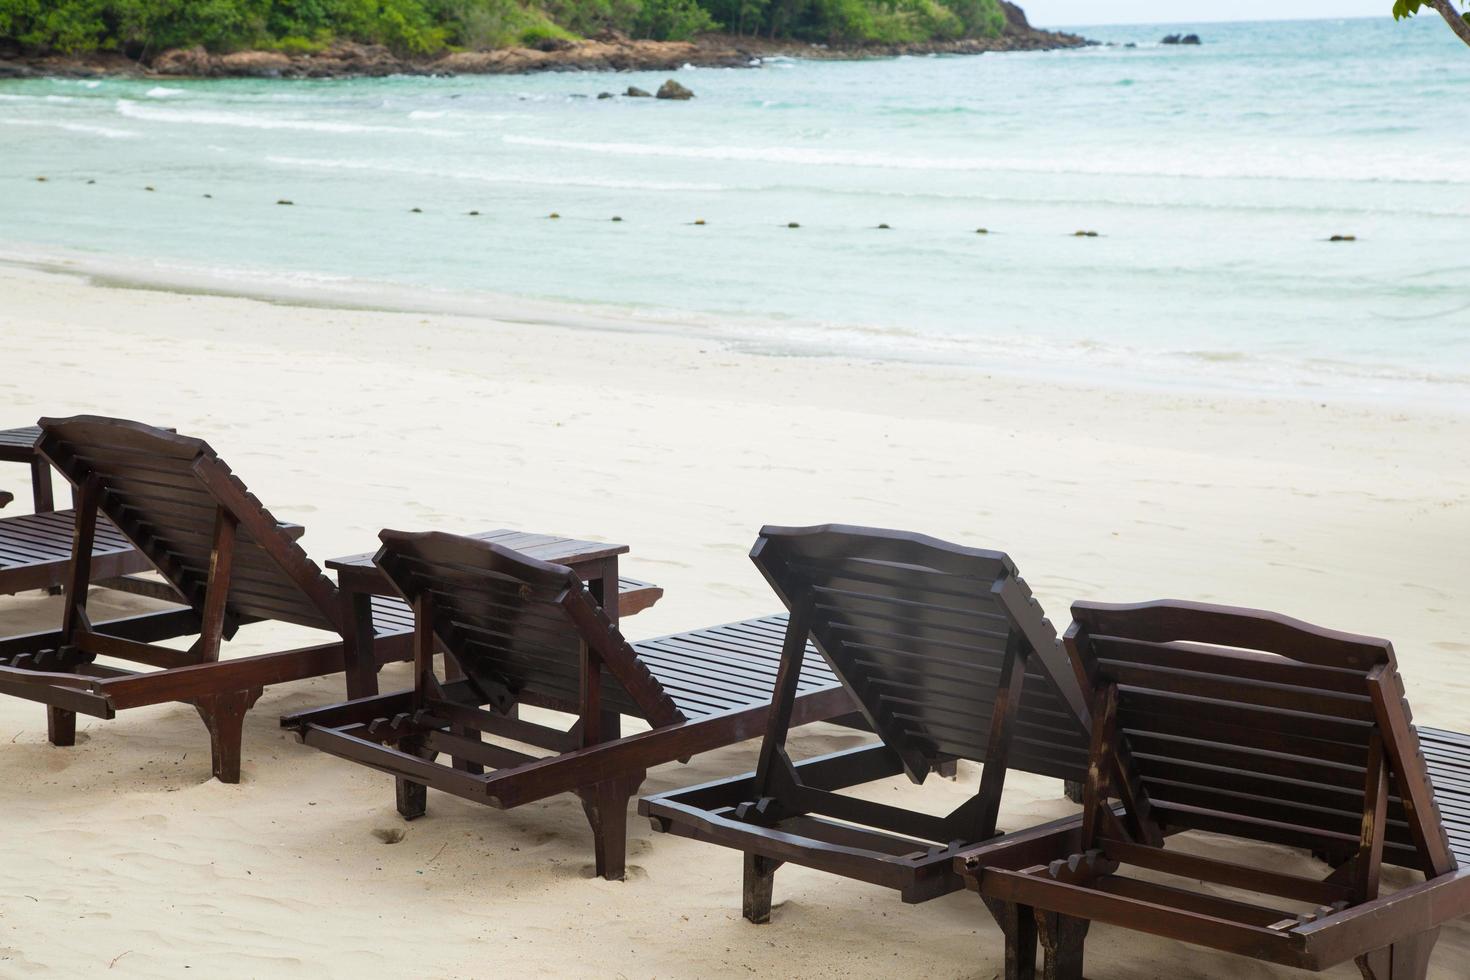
x=518 y=631
x=1258 y=727
x=222 y=556
x=35 y=553
x=948 y=657
x=35 y=549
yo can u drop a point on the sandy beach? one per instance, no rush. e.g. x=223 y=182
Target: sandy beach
x=124 y=858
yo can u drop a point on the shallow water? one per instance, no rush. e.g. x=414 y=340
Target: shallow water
x=1214 y=176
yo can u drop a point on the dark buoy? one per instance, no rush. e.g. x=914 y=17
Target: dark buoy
x=209 y=195
x=553 y=215
x=699 y=221
x=1343 y=238
x=883 y=226
x=148 y=188
x=792 y=224
x=415 y=210
x=40 y=180
x=617 y=217
x=473 y=214
x=91 y=182
x=1084 y=234
x=982 y=231
x=285 y=203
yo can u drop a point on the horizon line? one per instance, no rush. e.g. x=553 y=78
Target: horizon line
x=1187 y=23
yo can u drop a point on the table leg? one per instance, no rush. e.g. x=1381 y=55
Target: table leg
x=41 y=492
x=604 y=588
x=361 y=657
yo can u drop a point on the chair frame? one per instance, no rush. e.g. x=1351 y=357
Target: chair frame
x=1389 y=936
x=592 y=759
x=57 y=668
x=787 y=811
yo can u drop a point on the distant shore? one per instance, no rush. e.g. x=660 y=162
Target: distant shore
x=609 y=52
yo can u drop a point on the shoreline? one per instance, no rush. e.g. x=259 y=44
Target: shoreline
x=1227 y=376
x=610 y=52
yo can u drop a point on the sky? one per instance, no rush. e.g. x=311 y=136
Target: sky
x=1045 y=13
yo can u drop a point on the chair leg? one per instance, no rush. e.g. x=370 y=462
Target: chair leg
x=1407 y=959
x=947 y=768
x=224 y=716
x=1018 y=924
x=412 y=797
x=606 y=806
x=1062 y=938
x=61 y=726
x=760 y=879
x=1072 y=789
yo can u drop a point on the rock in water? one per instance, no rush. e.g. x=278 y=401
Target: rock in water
x=673 y=90
x=1170 y=39
x=1190 y=39
x=634 y=92
x=604 y=95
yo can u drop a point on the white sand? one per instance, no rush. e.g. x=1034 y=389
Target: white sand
x=122 y=857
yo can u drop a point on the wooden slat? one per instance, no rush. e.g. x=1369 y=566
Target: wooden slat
x=917 y=630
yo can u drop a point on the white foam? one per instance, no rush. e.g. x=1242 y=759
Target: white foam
x=1324 y=165
x=71 y=127
x=245 y=120
x=162 y=92
x=488 y=176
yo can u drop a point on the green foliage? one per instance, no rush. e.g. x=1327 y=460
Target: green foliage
x=588 y=17
x=863 y=21
x=424 y=27
x=671 y=20
x=1404 y=9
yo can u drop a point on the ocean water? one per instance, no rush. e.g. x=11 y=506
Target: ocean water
x=1213 y=175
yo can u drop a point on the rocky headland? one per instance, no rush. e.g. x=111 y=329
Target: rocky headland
x=607 y=52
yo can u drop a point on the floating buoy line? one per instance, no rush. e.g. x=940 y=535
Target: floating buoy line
x=618 y=219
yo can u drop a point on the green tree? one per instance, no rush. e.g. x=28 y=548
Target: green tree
x=1459 y=23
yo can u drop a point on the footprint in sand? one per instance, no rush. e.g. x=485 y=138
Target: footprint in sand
x=389 y=835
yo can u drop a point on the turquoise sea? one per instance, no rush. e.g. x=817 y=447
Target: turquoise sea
x=1213 y=175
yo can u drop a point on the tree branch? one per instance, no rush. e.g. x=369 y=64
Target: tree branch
x=1457 y=23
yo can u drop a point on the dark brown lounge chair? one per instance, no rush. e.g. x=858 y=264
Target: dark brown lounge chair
x=35 y=549
x=948 y=657
x=221 y=555
x=35 y=553
x=518 y=631
x=1259 y=727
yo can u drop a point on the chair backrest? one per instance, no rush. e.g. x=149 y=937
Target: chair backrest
x=168 y=494
x=918 y=631
x=1261 y=726
x=515 y=624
